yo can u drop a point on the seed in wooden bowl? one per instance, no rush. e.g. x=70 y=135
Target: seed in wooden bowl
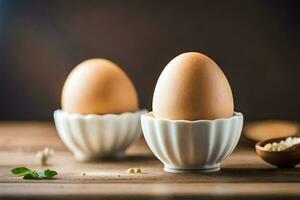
x=282 y=145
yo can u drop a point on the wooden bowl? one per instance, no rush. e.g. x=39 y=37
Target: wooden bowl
x=281 y=159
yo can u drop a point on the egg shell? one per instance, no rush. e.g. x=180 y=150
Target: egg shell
x=98 y=86
x=192 y=87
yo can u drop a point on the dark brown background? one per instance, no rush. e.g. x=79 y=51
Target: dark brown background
x=256 y=43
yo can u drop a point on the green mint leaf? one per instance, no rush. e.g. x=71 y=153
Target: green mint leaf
x=41 y=174
x=20 y=171
x=48 y=173
x=28 y=176
x=32 y=174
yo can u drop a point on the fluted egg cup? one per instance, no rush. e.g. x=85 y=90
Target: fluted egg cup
x=91 y=137
x=192 y=146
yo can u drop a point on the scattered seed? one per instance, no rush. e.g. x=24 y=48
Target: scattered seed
x=43 y=156
x=130 y=171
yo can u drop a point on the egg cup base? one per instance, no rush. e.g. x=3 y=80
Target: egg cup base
x=87 y=158
x=208 y=169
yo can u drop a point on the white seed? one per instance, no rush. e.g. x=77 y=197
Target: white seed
x=43 y=156
x=282 y=145
x=268 y=146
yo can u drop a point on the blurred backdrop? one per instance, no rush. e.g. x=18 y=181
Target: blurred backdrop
x=256 y=43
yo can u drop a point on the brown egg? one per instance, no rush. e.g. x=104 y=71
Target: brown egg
x=192 y=87
x=98 y=86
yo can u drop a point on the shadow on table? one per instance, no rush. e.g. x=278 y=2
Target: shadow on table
x=248 y=174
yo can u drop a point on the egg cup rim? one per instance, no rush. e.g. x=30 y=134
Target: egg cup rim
x=150 y=115
x=60 y=111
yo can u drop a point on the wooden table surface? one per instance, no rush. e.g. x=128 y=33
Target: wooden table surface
x=243 y=174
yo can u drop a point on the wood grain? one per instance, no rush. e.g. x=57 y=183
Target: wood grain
x=243 y=174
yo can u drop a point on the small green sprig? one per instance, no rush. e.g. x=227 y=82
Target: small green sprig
x=32 y=174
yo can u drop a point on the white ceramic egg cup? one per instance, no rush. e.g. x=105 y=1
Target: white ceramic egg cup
x=192 y=146
x=91 y=137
